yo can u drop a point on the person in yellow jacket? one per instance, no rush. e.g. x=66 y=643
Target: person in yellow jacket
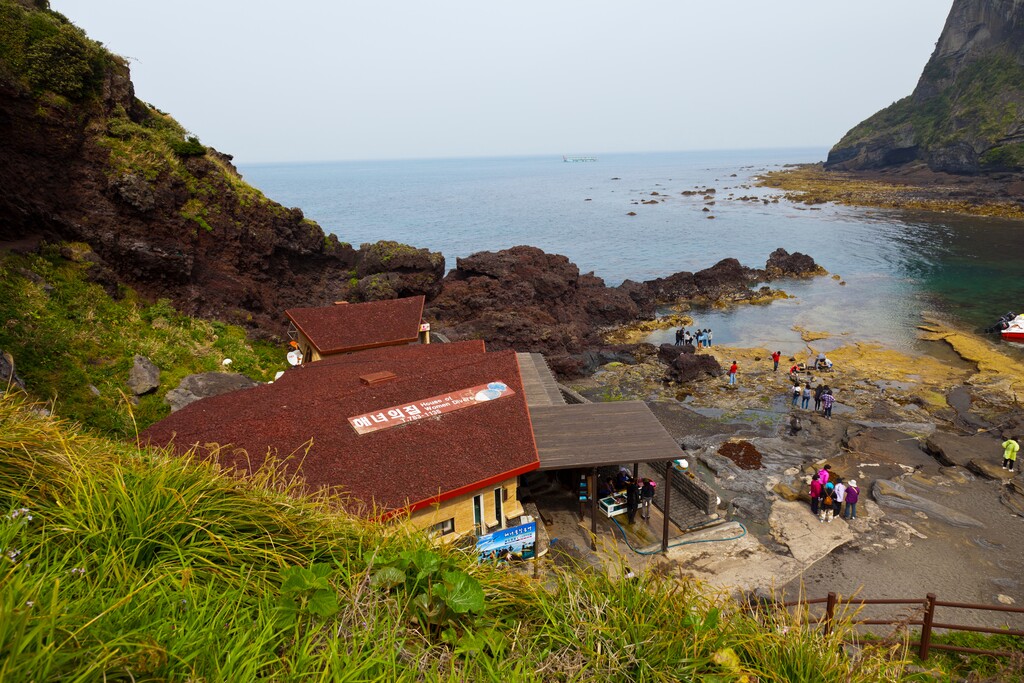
x=1010 y=448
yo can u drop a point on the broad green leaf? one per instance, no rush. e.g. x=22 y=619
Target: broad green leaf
x=387 y=578
x=323 y=603
x=464 y=593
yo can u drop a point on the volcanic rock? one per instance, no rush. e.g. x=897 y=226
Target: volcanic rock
x=8 y=375
x=202 y=385
x=144 y=376
x=951 y=449
x=688 y=367
x=893 y=494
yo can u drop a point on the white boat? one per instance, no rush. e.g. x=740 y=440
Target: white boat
x=1014 y=329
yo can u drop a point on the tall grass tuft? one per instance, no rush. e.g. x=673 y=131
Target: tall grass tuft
x=128 y=564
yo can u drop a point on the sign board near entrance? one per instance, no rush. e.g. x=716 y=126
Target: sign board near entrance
x=515 y=543
x=429 y=407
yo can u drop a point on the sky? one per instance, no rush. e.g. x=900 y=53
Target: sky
x=324 y=80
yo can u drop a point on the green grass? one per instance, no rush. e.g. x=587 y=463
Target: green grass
x=67 y=335
x=131 y=564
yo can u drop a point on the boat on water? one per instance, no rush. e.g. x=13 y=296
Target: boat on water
x=576 y=158
x=1010 y=327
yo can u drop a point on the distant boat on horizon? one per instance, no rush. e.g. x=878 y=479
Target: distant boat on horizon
x=574 y=157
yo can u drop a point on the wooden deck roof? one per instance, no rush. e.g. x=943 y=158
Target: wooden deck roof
x=540 y=385
x=598 y=434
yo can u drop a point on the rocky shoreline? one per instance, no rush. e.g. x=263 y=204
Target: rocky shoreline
x=911 y=187
x=921 y=435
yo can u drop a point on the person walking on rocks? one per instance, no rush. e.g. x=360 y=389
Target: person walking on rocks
x=805 y=400
x=839 y=496
x=817 y=396
x=700 y=339
x=733 y=369
x=796 y=393
x=852 y=494
x=815 y=494
x=827 y=401
x=679 y=336
x=707 y=337
x=1010 y=448
x=646 y=497
x=827 y=503
x=776 y=357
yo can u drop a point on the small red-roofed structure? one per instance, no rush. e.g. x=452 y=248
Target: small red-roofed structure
x=343 y=328
x=443 y=439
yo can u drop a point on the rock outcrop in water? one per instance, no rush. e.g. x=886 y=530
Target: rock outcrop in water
x=525 y=299
x=966 y=114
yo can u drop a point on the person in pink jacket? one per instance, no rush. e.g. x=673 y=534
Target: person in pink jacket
x=824 y=473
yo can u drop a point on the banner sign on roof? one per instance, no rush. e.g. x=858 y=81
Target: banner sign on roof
x=429 y=407
x=517 y=543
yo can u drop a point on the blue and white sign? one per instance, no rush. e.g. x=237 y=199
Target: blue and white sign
x=515 y=543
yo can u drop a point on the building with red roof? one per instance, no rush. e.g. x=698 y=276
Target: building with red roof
x=439 y=431
x=343 y=328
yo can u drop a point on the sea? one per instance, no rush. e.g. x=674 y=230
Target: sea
x=625 y=216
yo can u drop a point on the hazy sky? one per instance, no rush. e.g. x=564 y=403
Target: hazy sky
x=368 y=79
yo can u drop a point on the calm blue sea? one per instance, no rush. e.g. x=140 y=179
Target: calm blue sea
x=894 y=265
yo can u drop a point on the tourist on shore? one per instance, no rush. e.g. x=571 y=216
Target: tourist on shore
x=646 y=497
x=687 y=337
x=815 y=494
x=852 y=494
x=707 y=337
x=796 y=393
x=733 y=369
x=824 y=473
x=632 y=499
x=817 y=396
x=794 y=425
x=827 y=502
x=827 y=400
x=776 y=357
x=700 y=339
x=679 y=336
x=1010 y=448
x=839 y=496
x=805 y=400
x=793 y=371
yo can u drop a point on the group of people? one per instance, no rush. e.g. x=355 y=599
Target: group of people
x=639 y=493
x=829 y=493
x=700 y=338
x=822 y=394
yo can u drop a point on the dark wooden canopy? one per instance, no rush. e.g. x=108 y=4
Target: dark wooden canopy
x=597 y=434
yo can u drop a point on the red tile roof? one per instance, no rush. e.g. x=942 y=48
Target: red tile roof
x=411 y=465
x=353 y=327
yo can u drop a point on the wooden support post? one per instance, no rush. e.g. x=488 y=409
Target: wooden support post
x=668 y=508
x=636 y=471
x=592 y=492
x=926 y=627
x=830 y=611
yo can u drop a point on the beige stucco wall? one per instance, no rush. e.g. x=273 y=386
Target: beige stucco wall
x=461 y=509
x=306 y=347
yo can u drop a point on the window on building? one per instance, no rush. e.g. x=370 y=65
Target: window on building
x=443 y=528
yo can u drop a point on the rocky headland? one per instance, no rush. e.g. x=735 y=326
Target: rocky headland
x=956 y=144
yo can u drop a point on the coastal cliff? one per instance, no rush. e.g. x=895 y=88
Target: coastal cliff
x=82 y=159
x=966 y=115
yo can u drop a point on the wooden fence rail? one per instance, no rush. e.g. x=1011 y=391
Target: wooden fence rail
x=926 y=622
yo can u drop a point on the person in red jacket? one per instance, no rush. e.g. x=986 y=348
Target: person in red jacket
x=815 y=494
x=775 y=359
x=733 y=369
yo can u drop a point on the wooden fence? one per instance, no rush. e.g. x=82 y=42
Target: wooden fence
x=926 y=621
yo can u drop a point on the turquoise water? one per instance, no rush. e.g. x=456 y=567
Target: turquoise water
x=894 y=265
